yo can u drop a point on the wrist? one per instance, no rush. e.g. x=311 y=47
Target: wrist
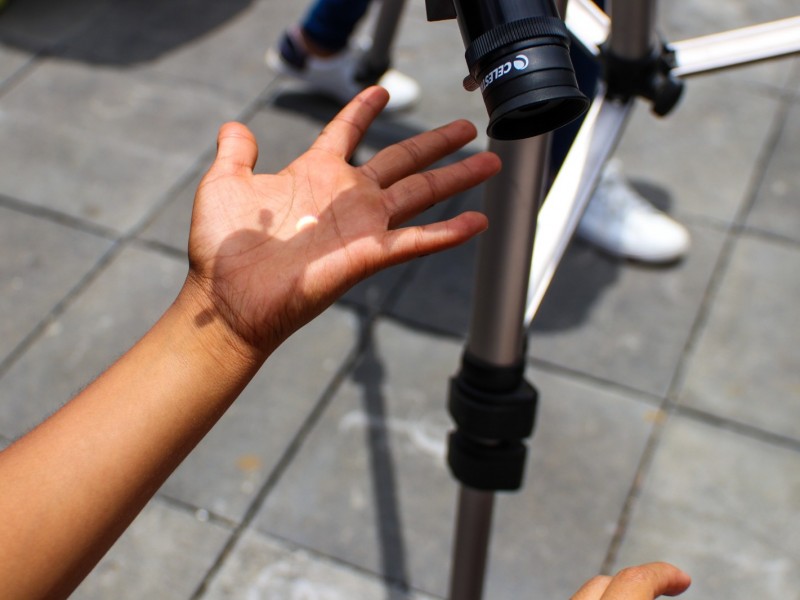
x=213 y=329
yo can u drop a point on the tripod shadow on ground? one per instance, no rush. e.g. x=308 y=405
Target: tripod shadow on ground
x=370 y=375
x=111 y=32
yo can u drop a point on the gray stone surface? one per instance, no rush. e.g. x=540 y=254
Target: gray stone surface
x=385 y=435
x=627 y=324
x=724 y=507
x=103 y=145
x=668 y=420
x=261 y=567
x=231 y=465
x=744 y=366
x=42 y=261
x=12 y=61
x=164 y=554
x=99 y=325
x=776 y=210
x=688 y=156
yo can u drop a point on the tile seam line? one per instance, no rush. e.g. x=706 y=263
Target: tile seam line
x=739 y=428
x=341 y=563
x=59 y=218
x=293 y=448
x=737 y=229
x=18 y=76
x=60 y=307
x=670 y=404
x=120 y=241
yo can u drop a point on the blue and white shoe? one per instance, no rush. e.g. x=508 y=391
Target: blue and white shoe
x=335 y=76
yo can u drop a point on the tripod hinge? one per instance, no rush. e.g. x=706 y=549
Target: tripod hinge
x=650 y=77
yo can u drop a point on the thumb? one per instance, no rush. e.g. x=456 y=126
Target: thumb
x=237 y=150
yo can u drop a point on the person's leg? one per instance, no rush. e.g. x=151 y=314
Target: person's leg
x=319 y=52
x=330 y=23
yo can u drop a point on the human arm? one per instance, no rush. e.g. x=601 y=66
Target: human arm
x=267 y=254
x=643 y=582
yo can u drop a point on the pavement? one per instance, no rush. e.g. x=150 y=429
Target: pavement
x=669 y=421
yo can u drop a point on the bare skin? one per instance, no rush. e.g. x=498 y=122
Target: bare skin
x=643 y=582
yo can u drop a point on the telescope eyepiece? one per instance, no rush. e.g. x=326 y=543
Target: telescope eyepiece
x=517 y=53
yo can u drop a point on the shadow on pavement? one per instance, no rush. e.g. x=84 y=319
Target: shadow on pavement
x=111 y=32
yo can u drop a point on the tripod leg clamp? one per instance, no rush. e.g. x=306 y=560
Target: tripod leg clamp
x=494 y=410
x=649 y=78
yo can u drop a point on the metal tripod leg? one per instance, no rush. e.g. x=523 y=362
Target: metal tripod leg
x=496 y=341
x=378 y=58
x=497 y=335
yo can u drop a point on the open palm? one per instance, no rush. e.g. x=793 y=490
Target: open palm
x=273 y=251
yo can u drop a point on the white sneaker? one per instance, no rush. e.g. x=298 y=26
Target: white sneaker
x=620 y=222
x=335 y=77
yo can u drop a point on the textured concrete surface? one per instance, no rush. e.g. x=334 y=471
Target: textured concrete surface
x=669 y=425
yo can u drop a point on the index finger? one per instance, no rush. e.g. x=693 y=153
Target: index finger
x=341 y=136
x=646 y=582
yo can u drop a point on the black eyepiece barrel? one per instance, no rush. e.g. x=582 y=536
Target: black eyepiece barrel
x=518 y=55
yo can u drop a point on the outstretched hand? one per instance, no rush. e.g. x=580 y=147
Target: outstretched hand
x=644 y=582
x=270 y=252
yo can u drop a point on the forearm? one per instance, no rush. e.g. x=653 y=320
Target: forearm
x=73 y=484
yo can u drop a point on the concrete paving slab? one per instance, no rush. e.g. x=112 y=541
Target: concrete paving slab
x=624 y=323
x=42 y=261
x=220 y=46
x=595 y=318
x=164 y=554
x=170 y=225
x=723 y=507
x=231 y=56
x=98 y=326
x=105 y=159
x=744 y=365
x=705 y=154
x=137 y=109
x=370 y=486
x=777 y=209
x=231 y=465
x=261 y=567
x=355 y=491
x=439 y=296
x=11 y=62
x=86 y=177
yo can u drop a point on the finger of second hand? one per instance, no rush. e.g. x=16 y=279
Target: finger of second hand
x=416 y=193
x=419 y=152
x=646 y=582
